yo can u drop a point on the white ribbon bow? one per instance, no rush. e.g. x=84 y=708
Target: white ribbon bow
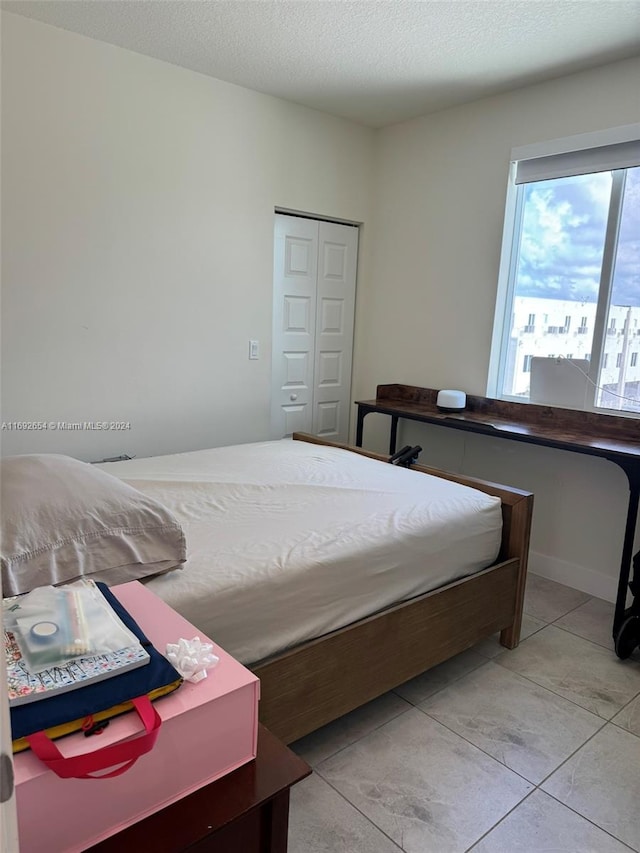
x=192 y=658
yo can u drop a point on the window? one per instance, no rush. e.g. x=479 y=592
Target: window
x=570 y=255
x=634 y=359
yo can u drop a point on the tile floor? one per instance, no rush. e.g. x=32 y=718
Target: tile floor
x=494 y=751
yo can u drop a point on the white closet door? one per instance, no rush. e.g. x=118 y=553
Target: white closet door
x=8 y=819
x=335 y=301
x=314 y=284
x=294 y=324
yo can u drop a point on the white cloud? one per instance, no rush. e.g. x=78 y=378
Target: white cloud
x=562 y=238
x=547 y=227
x=598 y=189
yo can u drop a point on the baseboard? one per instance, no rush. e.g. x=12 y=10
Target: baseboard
x=570 y=574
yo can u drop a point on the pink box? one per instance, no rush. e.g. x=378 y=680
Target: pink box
x=208 y=729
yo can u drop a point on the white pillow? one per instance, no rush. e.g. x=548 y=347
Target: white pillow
x=63 y=519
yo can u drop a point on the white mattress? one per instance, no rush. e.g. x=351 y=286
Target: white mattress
x=288 y=540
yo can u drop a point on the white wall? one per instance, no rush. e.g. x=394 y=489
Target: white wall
x=137 y=212
x=439 y=204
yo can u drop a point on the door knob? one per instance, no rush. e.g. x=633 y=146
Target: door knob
x=293 y=397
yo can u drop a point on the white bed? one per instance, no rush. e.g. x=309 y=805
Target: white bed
x=288 y=541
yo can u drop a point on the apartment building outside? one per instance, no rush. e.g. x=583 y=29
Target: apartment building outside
x=557 y=328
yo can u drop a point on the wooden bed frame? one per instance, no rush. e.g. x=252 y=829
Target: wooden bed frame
x=322 y=679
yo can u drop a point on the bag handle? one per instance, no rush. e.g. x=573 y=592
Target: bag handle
x=125 y=753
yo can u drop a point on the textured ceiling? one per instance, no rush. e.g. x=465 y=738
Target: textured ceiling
x=374 y=61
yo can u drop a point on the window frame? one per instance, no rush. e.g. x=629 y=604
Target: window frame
x=509 y=258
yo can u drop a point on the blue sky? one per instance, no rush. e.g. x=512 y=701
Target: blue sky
x=563 y=237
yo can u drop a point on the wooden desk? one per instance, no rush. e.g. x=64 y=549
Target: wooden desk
x=246 y=810
x=608 y=436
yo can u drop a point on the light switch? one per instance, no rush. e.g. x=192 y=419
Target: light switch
x=254 y=349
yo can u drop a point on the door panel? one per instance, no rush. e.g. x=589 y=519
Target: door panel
x=296 y=419
x=297 y=312
x=335 y=260
x=296 y=372
x=331 y=316
x=338 y=252
x=328 y=418
x=329 y=373
x=299 y=255
x=294 y=322
x=314 y=303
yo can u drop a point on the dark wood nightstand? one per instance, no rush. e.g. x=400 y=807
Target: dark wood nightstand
x=246 y=811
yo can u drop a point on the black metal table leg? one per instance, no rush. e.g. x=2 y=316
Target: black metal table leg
x=362 y=412
x=634 y=583
x=393 y=435
x=633 y=475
